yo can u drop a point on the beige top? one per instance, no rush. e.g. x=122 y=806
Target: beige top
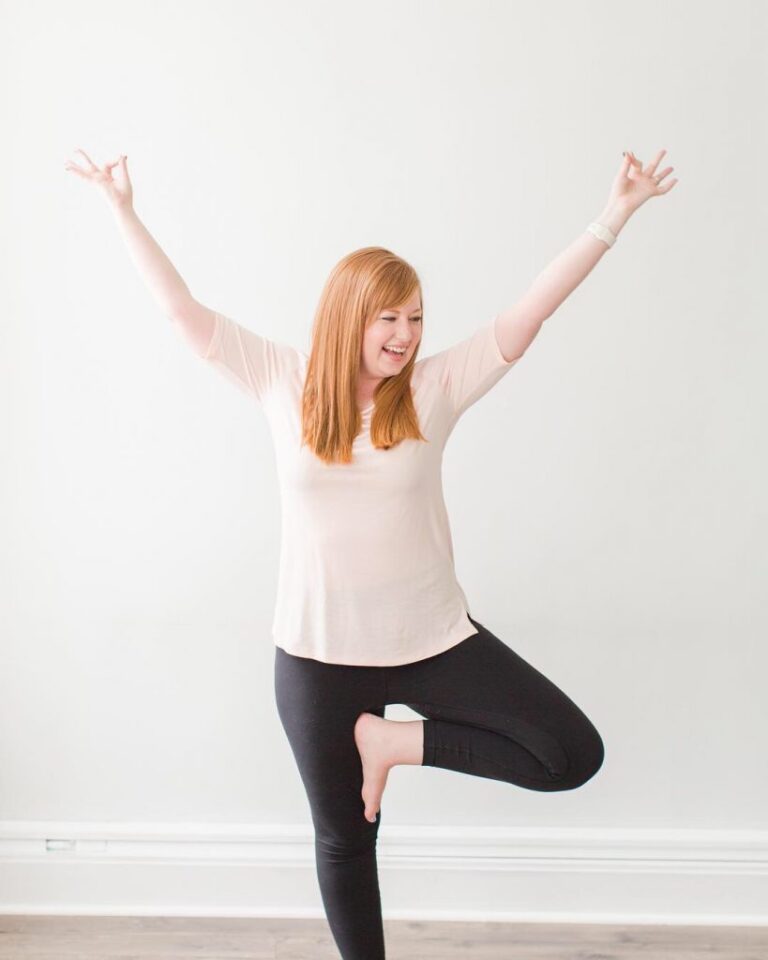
x=366 y=571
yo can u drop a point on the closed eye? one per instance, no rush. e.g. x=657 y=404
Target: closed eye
x=417 y=319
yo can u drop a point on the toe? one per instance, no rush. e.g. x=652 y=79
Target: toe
x=373 y=790
x=371 y=802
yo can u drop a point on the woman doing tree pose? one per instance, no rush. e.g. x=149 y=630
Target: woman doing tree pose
x=369 y=611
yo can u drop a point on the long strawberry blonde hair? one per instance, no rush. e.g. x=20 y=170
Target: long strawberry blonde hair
x=362 y=284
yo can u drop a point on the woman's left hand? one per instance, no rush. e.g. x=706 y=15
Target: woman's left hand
x=632 y=185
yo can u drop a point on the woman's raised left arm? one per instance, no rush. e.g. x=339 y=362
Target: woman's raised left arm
x=632 y=186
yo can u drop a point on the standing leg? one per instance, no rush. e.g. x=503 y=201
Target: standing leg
x=491 y=714
x=318 y=704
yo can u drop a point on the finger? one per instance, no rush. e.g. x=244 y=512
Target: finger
x=625 y=165
x=93 y=165
x=75 y=166
x=656 y=161
x=660 y=176
x=75 y=169
x=668 y=187
x=120 y=162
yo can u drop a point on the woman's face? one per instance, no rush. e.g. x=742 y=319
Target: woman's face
x=399 y=327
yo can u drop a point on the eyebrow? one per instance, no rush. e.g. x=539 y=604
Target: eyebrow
x=392 y=310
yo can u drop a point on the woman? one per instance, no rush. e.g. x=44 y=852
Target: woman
x=369 y=610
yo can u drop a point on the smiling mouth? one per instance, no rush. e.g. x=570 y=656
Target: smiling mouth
x=394 y=355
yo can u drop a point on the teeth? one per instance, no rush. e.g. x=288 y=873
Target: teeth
x=394 y=350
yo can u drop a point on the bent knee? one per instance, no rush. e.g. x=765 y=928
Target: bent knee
x=583 y=764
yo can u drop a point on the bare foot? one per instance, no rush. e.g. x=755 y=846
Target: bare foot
x=374 y=745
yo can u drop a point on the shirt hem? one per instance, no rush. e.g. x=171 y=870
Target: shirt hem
x=464 y=630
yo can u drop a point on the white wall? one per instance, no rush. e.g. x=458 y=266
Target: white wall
x=607 y=497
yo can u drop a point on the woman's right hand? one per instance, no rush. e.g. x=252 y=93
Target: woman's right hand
x=117 y=188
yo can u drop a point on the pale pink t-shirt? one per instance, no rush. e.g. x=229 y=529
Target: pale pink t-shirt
x=366 y=572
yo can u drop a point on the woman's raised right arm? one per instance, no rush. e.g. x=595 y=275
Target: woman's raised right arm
x=195 y=321
x=165 y=284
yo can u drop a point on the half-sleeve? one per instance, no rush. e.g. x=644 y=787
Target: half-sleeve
x=467 y=370
x=252 y=362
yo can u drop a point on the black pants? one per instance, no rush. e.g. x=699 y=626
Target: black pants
x=489 y=714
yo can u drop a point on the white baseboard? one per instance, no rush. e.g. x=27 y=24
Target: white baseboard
x=575 y=875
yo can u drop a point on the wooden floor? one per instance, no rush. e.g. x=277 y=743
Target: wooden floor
x=184 y=938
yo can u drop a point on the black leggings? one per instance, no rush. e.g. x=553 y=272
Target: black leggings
x=489 y=714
